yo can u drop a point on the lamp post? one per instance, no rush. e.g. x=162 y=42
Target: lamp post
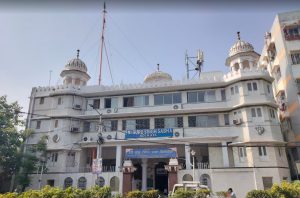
x=100 y=129
x=193 y=155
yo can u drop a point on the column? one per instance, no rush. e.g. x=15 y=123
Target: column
x=188 y=157
x=99 y=151
x=225 y=154
x=144 y=174
x=172 y=169
x=128 y=170
x=118 y=157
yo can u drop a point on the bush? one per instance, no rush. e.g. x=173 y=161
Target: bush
x=286 y=190
x=134 y=194
x=9 y=195
x=151 y=194
x=259 y=194
x=202 y=193
x=181 y=193
x=221 y=194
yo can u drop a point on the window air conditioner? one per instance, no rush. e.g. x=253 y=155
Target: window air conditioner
x=74 y=129
x=237 y=121
x=77 y=107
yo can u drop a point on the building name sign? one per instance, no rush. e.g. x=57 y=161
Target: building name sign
x=151 y=153
x=97 y=166
x=149 y=133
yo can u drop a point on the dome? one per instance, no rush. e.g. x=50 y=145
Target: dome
x=157 y=76
x=76 y=64
x=240 y=46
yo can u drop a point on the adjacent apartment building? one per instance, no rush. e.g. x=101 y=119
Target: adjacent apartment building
x=281 y=57
x=220 y=129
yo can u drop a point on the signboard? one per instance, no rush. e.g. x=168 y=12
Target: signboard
x=151 y=153
x=149 y=133
x=97 y=166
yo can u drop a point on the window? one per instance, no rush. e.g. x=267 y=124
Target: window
x=223 y=94
x=68 y=182
x=96 y=104
x=56 y=124
x=54 y=157
x=226 y=119
x=277 y=73
x=161 y=99
x=269 y=89
x=86 y=126
x=136 y=101
x=187 y=177
x=42 y=99
x=50 y=182
x=291 y=33
x=203 y=121
x=295 y=58
x=267 y=182
x=256 y=112
x=234 y=90
x=262 y=151
x=70 y=159
x=82 y=183
x=252 y=86
x=279 y=151
x=114 y=183
x=110 y=103
x=242 y=153
x=272 y=113
x=38 y=124
x=110 y=125
x=176 y=122
x=59 y=101
x=202 y=96
x=135 y=124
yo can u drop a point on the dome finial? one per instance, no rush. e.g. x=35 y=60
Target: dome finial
x=158 y=67
x=238 y=36
x=78 y=53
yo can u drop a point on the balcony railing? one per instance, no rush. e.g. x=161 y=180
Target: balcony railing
x=104 y=169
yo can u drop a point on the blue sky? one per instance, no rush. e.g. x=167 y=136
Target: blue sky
x=35 y=41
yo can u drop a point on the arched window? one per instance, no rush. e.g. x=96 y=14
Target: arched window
x=68 y=182
x=246 y=64
x=77 y=81
x=82 y=183
x=187 y=177
x=100 y=181
x=236 y=67
x=205 y=180
x=114 y=183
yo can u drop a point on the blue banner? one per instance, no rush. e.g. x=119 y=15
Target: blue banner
x=151 y=153
x=149 y=133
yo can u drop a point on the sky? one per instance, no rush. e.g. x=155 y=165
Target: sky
x=37 y=38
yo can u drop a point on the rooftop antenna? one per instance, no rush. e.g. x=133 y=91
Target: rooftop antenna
x=78 y=53
x=50 y=72
x=239 y=35
x=102 y=43
x=197 y=65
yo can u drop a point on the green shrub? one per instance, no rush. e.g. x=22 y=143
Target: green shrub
x=134 y=194
x=221 y=194
x=181 y=193
x=9 y=195
x=30 y=194
x=202 y=193
x=286 y=190
x=259 y=194
x=100 y=192
x=151 y=194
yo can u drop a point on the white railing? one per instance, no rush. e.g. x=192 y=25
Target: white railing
x=104 y=169
x=203 y=165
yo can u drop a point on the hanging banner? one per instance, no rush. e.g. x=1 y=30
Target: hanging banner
x=149 y=133
x=151 y=153
x=97 y=166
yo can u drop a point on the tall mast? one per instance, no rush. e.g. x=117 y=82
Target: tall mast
x=102 y=43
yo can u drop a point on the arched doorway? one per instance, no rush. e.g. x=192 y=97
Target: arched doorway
x=161 y=177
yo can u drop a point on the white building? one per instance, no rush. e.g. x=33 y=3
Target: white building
x=281 y=57
x=229 y=120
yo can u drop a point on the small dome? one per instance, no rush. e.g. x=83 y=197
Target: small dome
x=157 y=76
x=240 y=46
x=76 y=64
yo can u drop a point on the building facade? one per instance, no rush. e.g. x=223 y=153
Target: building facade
x=221 y=128
x=281 y=57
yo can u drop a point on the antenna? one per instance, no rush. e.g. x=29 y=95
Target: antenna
x=197 y=65
x=102 y=42
x=50 y=77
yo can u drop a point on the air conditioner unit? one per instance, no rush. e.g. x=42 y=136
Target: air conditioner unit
x=85 y=139
x=177 y=106
x=108 y=111
x=176 y=134
x=77 y=107
x=237 y=121
x=74 y=129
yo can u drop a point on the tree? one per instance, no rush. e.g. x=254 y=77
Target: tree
x=13 y=159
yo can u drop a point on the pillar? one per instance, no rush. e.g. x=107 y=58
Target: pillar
x=99 y=151
x=118 y=157
x=225 y=154
x=128 y=170
x=188 y=157
x=144 y=174
x=172 y=169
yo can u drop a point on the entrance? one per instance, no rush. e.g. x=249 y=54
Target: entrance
x=161 y=177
